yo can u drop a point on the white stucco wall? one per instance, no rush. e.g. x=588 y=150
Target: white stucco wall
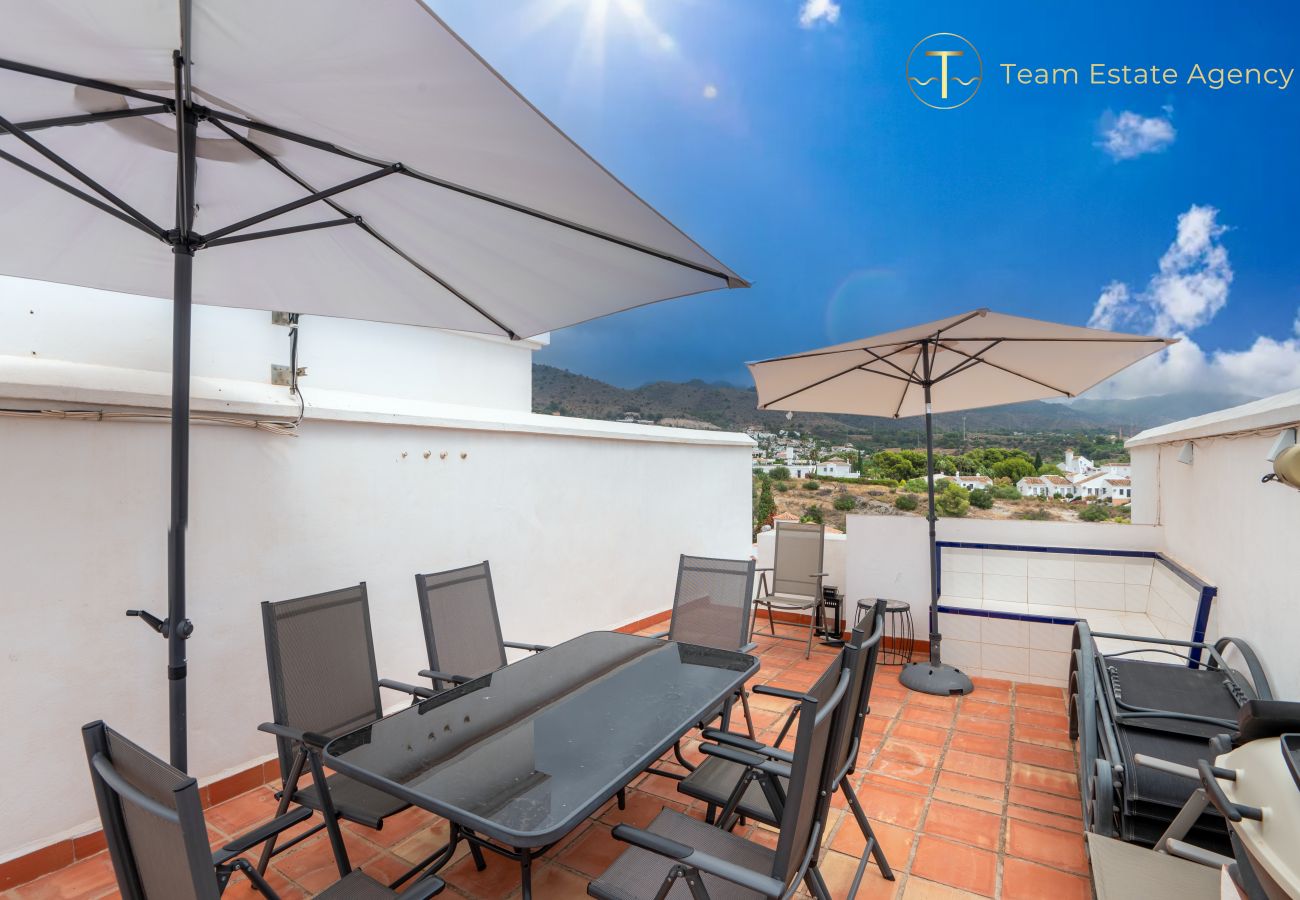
x=1235 y=532
x=583 y=523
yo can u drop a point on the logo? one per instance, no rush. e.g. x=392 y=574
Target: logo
x=944 y=70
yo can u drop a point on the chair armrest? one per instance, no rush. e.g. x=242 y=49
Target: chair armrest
x=748 y=648
x=297 y=735
x=749 y=760
x=777 y=692
x=721 y=868
x=443 y=676
x=406 y=688
x=423 y=889
x=744 y=743
x=533 y=648
x=246 y=842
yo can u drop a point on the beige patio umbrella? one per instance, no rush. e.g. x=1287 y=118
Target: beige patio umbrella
x=972 y=360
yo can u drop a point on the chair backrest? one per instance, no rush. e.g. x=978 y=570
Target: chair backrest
x=152 y=818
x=320 y=656
x=797 y=566
x=807 y=801
x=711 y=606
x=461 y=627
x=865 y=639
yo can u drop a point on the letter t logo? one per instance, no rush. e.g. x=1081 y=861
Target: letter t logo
x=943 y=62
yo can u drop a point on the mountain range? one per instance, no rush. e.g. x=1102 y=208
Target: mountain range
x=732 y=408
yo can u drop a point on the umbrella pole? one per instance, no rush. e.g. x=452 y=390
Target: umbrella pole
x=933 y=677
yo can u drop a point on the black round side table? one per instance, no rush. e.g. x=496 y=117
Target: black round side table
x=896 y=648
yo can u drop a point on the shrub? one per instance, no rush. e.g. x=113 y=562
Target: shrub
x=1005 y=492
x=918 y=485
x=779 y=473
x=981 y=499
x=953 y=502
x=812 y=513
x=1094 y=512
x=781 y=486
x=844 y=503
x=1034 y=515
x=812 y=484
x=879 y=482
x=907 y=502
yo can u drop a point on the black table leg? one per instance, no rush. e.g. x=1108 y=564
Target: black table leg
x=526 y=871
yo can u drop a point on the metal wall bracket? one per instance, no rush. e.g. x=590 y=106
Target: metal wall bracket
x=282 y=375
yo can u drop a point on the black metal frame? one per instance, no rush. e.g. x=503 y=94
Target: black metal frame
x=185 y=242
x=816 y=613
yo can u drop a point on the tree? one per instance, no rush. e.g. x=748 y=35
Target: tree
x=812 y=513
x=953 y=502
x=779 y=473
x=981 y=499
x=906 y=502
x=766 y=505
x=917 y=485
x=1094 y=512
x=844 y=502
x=1014 y=468
x=893 y=464
x=1038 y=461
x=1005 y=492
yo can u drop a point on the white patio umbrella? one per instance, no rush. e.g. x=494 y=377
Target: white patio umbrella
x=976 y=359
x=328 y=157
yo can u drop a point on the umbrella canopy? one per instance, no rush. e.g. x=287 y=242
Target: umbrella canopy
x=975 y=359
x=481 y=214
x=326 y=157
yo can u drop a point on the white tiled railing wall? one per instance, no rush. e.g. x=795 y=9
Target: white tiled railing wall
x=1035 y=595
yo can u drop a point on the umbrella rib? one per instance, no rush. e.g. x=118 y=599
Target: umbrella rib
x=821 y=381
x=82 y=195
x=278 y=232
x=95 y=83
x=304 y=201
x=284 y=170
x=469 y=192
x=1012 y=372
x=965 y=364
x=47 y=153
x=91 y=118
x=911 y=381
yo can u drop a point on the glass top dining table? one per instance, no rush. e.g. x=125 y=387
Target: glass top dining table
x=524 y=754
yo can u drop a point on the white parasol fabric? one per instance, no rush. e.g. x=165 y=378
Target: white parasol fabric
x=496 y=222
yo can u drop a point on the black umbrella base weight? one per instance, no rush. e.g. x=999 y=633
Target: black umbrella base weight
x=935 y=678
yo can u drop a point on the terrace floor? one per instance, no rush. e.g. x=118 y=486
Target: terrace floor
x=972 y=796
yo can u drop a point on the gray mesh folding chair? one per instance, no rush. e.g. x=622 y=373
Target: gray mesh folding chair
x=461 y=627
x=715 y=863
x=711 y=607
x=740 y=790
x=153 y=825
x=320 y=656
x=797 y=575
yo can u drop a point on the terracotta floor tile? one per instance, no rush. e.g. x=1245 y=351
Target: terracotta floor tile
x=995 y=686
x=981 y=726
x=243 y=813
x=895 y=841
x=1037 y=701
x=893 y=807
x=1023 y=880
x=1044 y=737
x=1049 y=846
x=975 y=765
x=927 y=715
x=1047 y=757
x=974 y=801
x=920 y=734
x=90 y=878
x=985 y=710
x=933 y=700
x=594 y=852
x=554 y=882
x=984 y=745
x=920 y=889
x=500 y=879
x=962 y=824
x=838 y=869
x=1065 y=806
x=1049 y=780
x=1041 y=817
x=641 y=809
x=1042 y=690
x=901 y=769
x=956 y=865
x=1039 y=719
x=873 y=781
x=969 y=784
x=925 y=755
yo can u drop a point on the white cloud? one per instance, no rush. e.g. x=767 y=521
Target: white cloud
x=1130 y=135
x=1189 y=288
x=814 y=11
x=710 y=92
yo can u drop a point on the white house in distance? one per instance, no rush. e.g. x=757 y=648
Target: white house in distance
x=835 y=467
x=1104 y=486
x=1046 y=486
x=969 y=482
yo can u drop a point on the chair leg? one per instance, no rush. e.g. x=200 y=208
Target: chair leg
x=873 y=844
x=749 y=719
x=812 y=625
x=771 y=623
x=286 y=794
x=622 y=798
x=331 y=817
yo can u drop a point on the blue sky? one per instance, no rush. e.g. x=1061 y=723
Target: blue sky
x=782 y=136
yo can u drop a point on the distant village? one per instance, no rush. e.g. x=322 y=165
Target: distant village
x=1075 y=478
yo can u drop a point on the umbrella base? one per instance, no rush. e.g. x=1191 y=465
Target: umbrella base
x=931 y=678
